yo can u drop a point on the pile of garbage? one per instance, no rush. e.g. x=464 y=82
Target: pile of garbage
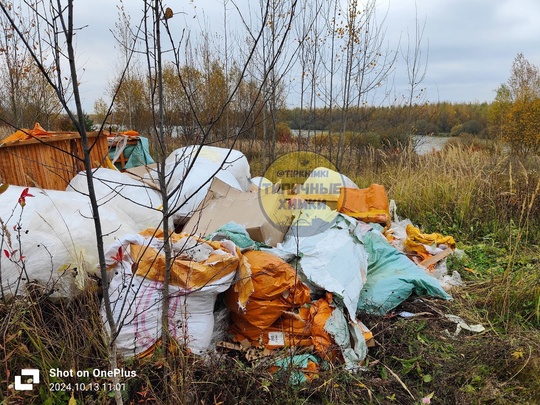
x=247 y=271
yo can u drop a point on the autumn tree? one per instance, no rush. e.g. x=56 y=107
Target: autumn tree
x=515 y=114
x=132 y=104
x=25 y=96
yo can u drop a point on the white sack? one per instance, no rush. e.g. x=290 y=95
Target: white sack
x=57 y=240
x=137 y=304
x=121 y=192
x=233 y=161
x=190 y=185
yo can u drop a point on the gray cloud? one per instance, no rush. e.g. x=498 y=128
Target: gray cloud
x=472 y=43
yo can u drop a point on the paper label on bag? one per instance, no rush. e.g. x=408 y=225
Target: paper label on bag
x=276 y=339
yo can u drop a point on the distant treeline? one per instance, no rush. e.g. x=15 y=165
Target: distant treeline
x=441 y=119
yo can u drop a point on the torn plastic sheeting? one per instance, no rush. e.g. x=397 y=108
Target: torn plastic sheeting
x=276 y=289
x=137 y=155
x=334 y=260
x=319 y=312
x=461 y=324
x=392 y=277
x=237 y=234
x=295 y=328
x=345 y=333
x=319 y=324
x=136 y=298
x=302 y=367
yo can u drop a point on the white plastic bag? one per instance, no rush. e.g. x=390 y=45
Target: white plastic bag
x=121 y=192
x=232 y=161
x=51 y=241
x=189 y=185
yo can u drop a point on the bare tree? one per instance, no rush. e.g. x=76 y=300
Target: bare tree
x=416 y=64
x=57 y=21
x=26 y=96
x=165 y=51
x=367 y=62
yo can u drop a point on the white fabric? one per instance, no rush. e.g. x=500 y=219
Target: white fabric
x=57 y=239
x=137 y=304
x=231 y=160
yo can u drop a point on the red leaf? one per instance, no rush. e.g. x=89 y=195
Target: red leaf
x=118 y=257
x=22 y=199
x=6 y=253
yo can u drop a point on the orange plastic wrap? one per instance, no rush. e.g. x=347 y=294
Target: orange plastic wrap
x=367 y=204
x=24 y=134
x=184 y=273
x=276 y=288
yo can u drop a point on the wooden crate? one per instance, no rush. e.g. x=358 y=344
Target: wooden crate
x=49 y=162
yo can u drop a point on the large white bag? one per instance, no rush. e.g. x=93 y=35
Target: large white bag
x=230 y=160
x=51 y=241
x=189 y=185
x=137 y=300
x=120 y=192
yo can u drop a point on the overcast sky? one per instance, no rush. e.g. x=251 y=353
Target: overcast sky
x=470 y=44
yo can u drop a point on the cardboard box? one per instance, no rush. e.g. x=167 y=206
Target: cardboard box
x=144 y=174
x=264 y=213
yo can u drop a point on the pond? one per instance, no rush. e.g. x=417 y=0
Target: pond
x=425 y=144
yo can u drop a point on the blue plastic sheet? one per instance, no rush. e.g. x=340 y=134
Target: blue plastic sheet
x=392 y=277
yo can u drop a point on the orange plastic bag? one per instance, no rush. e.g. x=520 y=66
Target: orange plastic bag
x=187 y=274
x=367 y=204
x=287 y=331
x=276 y=288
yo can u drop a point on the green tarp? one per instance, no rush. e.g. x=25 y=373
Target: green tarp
x=138 y=155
